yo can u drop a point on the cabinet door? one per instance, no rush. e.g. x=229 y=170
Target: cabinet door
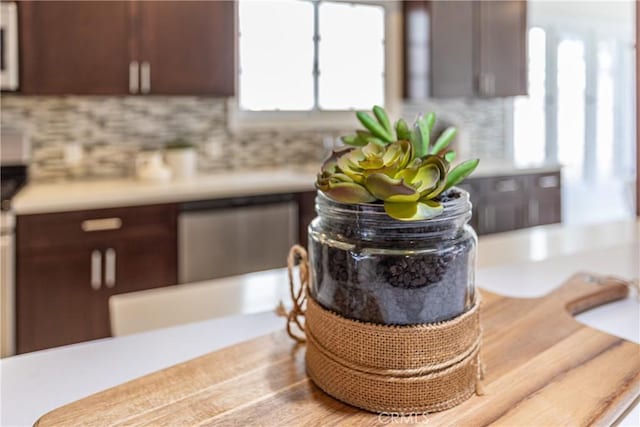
x=137 y=264
x=503 y=204
x=56 y=302
x=74 y=47
x=187 y=47
x=452 y=48
x=502 y=49
x=545 y=200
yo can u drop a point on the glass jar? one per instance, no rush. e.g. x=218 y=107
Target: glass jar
x=368 y=266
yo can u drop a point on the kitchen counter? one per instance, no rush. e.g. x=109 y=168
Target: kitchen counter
x=80 y=195
x=492 y=168
x=35 y=383
x=65 y=196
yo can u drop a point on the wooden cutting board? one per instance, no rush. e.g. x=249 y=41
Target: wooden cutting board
x=543 y=368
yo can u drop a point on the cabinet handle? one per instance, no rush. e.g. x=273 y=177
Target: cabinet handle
x=96 y=269
x=145 y=75
x=110 y=268
x=506 y=185
x=133 y=77
x=487 y=84
x=101 y=224
x=548 y=181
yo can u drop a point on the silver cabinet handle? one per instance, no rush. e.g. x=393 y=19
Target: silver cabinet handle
x=487 y=84
x=110 y=268
x=101 y=224
x=96 y=269
x=548 y=181
x=145 y=76
x=133 y=77
x=506 y=185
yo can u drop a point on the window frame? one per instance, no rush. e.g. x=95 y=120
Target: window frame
x=239 y=120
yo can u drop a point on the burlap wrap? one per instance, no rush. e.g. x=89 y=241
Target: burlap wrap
x=387 y=368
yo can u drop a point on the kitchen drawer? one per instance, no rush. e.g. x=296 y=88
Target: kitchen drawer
x=544 y=182
x=82 y=228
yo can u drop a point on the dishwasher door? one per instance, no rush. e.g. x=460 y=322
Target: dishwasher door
x=236 y=236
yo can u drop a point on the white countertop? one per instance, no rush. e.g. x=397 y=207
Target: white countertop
x=79 y=195
x=35 y=383
x=488 y=168
x=64 y=196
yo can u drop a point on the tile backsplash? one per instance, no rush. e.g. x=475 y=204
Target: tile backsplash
x=92 y=137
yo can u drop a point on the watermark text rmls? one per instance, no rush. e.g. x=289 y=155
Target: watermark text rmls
x=402 y=418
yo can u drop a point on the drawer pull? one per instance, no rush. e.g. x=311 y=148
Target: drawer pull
x=110 y=268
x=102 y=224
x=549 y=181
x=96 y=269
x=506 y=185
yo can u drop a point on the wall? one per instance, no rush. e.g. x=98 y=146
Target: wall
x=109 y=131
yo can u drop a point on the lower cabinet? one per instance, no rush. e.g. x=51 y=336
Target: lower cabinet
x=69 y=264
x=505 y=203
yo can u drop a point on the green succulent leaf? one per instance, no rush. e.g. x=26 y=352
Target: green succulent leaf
x=383 y=119
x=450 y=156
x=460 y=172
x=422 y=132
x=349 y=192
x=338 y=178
x=402 y=130
x=367 y=137
x=354 y=140
x=385 y=188
x=444 y=140
x=412 y=211
x=374 y=127
x=426 y=179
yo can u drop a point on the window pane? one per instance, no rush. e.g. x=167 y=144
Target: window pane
x=529 y=111
x=276 y=55
x=351 y=56
x=571 y=107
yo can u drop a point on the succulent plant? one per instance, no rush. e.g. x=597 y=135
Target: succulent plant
x=395 y=165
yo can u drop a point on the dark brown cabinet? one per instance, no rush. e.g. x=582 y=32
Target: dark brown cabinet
x=465 y=48
x=188 y=47
x=505 y=203
x=74 y=47
x=69 y=264
x=137 y=47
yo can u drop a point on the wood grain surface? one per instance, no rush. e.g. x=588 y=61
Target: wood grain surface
x=542 y=368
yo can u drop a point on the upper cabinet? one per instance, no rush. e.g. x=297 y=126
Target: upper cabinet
x=465 y=48
x=186 y=47
x=74 y=47
x=136 y=47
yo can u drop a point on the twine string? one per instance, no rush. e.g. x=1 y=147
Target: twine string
x=297 y=256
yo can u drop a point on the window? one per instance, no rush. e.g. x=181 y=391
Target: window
x=529 y=112
x=311 y=56
x=579 y=113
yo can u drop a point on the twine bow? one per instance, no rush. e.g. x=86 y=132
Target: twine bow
x=297 y=256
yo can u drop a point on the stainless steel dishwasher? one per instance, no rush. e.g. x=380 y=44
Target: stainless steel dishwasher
x=221 y=238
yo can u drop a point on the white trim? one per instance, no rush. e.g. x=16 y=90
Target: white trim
x=240 y=120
